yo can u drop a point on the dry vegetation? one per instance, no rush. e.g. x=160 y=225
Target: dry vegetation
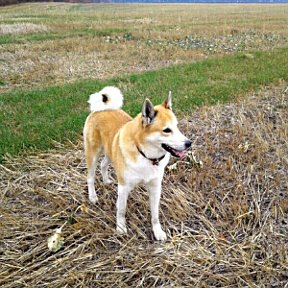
x=227 y=220
x=21 y=28
x=133 y=38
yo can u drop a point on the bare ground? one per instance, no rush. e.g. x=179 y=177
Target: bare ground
x=226 y=219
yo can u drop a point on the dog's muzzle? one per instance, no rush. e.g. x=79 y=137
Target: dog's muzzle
x=177 y=153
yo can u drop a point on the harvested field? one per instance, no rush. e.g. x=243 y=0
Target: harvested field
x=226 y=219
x=21 y=28
x=44 y=44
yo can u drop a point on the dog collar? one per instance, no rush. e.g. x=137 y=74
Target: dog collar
x=155 y=161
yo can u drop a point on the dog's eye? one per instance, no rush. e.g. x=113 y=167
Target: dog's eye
x=167 y=130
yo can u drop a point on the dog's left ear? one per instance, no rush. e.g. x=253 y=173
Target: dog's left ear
x=148 y=113
x=168 y=102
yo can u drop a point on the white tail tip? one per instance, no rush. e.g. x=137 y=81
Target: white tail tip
x=109 y=98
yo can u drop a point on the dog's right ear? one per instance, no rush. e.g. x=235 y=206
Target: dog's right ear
x=148 y=113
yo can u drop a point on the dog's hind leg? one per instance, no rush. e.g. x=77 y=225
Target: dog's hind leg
x=91 y=179
x=91 y=166
x=93 y=148
x=104 y=170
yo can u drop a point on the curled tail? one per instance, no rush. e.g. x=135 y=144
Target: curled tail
x=109 y=98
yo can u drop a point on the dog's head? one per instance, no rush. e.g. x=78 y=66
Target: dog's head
x=160 y=128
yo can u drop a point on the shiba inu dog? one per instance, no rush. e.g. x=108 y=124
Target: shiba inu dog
x=139 y=149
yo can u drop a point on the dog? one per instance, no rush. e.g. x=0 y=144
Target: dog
x=139 y=149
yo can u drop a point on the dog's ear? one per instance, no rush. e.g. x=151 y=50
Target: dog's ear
x=168 y=102
x=148 y=113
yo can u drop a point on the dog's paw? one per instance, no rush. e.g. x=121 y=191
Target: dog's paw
x=159 y=234
x=93 y=199
x=121 y=229
x=107 y=181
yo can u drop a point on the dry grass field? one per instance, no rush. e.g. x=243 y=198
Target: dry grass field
x=224 y=210
x=44 y=44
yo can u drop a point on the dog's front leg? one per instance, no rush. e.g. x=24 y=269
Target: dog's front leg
x=123 y=193
x=154 y=188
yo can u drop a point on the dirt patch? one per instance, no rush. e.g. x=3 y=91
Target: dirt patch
x=226 y=220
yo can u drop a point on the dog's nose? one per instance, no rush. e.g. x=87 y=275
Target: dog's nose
x=188 y=144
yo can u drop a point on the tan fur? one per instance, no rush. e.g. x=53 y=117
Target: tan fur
x=164 y=117
x=102 y=131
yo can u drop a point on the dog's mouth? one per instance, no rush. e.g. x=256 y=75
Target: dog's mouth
x=173 y=152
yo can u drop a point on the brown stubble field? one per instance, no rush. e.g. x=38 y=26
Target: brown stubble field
x=82 y=42
x=224 y=210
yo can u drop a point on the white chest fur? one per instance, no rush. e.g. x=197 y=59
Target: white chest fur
x=143 y=171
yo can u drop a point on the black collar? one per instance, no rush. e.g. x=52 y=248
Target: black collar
x=155 y=161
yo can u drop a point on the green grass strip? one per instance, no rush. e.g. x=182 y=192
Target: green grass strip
x=45 y=36
x=33 y=119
